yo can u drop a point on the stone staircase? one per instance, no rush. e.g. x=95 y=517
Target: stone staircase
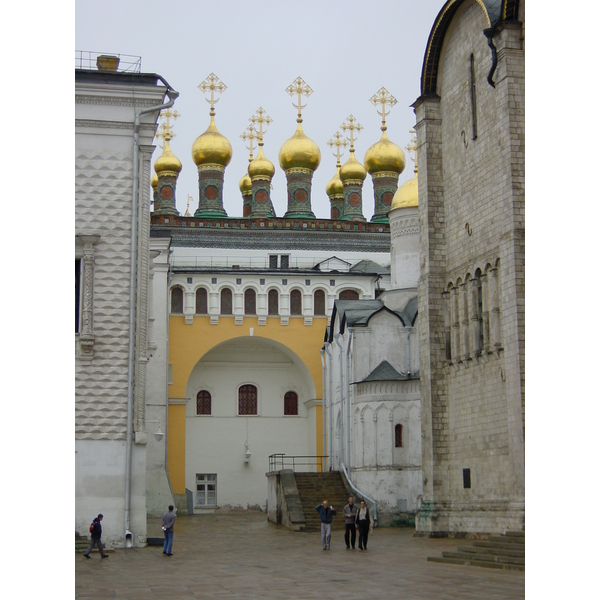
x=81 y=543
x=313 y=488
x=505 y=551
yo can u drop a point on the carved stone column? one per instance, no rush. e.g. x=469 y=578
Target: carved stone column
x=86 y=335
x=473 y=294
x=455 y=316
x=464 y=320
x=495 y=311
x=485 y=313
x=447 y=324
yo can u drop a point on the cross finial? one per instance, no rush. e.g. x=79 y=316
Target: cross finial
x=384 y=98
x=165 y=132
x=339 y=142
x=212 y=84
x=412 y=147
x=301 y=88
x=250 y=135
x=187 y=210
x=260 y=118
x=351 y=125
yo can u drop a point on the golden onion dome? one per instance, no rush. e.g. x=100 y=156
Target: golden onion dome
x=299 y=151
x=167 y=161
x=212 y=147
x=407 y=195
x=352 y=169
x=335 y=187
x=261 y=166
x=385 y=156
x=154 y=181
x=246 y=185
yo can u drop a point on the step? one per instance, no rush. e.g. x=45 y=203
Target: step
x=499 y=551
x=507 y=539
x=498 y=545
x=476 y=563
x=470 y=556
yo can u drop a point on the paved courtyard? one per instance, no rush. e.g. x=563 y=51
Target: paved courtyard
x=238 y=554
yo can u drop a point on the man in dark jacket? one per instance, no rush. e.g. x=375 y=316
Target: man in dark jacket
x=326 y=513
x=168 y=520
x=349 y=514
x=96 y=535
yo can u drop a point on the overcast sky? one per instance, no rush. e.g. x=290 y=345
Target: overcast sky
x=344 y=50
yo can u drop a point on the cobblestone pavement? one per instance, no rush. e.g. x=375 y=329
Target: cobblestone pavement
x=239 y=554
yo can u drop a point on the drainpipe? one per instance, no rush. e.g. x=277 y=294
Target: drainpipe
x=360 y=494
x=329 y=407
x=408 y=330
x=348 y=447
x=323 y=407
x=336 y=336
x=172 y=94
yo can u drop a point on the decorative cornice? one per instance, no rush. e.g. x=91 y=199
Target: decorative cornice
x=112 y=101
x=91 y=123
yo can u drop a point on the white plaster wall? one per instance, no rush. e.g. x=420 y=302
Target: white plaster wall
x=100 y=488
x=216 y=443
x=404 y=233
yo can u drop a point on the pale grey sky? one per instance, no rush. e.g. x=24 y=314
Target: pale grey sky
x=344 y=50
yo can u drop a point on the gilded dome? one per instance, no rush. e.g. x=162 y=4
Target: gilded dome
x=154 y=180
x=352 y=169
x=246 y=185
x=407 y=194
x=167 y=161
x=299 y=151
x=212 y=147
x=261 y=166
x=335 y=187
x=385 y=156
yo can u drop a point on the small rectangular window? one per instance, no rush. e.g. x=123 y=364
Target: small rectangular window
x=273 y=261
x=285 y=261
x=206 y=489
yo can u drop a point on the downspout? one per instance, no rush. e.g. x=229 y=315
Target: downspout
x=360 y=494
x=323 y=409
x=336 y=336
x=408 y=329
x=330 y=407
x=348 y=447
x=172 y=94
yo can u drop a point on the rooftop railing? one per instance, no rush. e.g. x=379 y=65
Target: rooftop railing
x=102 y=61
x=249 y=262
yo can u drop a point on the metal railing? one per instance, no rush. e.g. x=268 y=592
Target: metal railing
x=247 y=262
x=85 y=59
x=277 y=462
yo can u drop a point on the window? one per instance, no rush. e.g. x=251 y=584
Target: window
x=319 y=302
x=247 y=400
x=203 y=403
x=290 y=403
x=285 y=261
x=206 y=489
x=398 y=436
x=473 y=90
x=296 y=302
x=273 y=302
x=77 y=292
x=348 y=295
x=177 y=301
x=226 y=302
x=250 y=302
x=201 y=302
x=273 y=261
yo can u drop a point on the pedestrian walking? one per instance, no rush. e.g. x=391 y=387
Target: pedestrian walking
x=349 y=514
x=363 y=521
x=168 y=520
x=96 y=531
x=326 y=513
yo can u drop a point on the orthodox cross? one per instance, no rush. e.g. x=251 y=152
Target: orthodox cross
x=260 y=118
x=165 y=131
x=339 y=142
x=250 y=135
x=187 y=210
x=299 y=87
x=412 y=147
x=384 y=98
x=351 y=125
x=212 y=84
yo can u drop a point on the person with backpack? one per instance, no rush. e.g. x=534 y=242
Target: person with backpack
x=96 y=531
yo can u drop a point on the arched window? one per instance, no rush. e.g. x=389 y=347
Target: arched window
x=290 y=403
x=296 y=302
x=273 y=302
x=398 y=435
x=319 y=302
x=247 y=400
x=201 y=301
x=203 y=403
x=249 y=302
x=177 y=301
x=226 y=302
x=348 y=295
